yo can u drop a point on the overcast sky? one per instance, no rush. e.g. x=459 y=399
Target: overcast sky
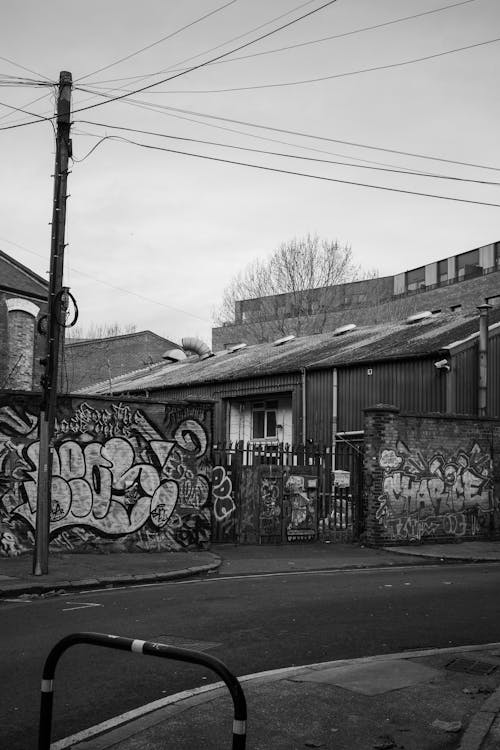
x=154 y=236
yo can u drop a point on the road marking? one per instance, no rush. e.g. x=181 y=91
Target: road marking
x=82 y=605
x=289 y=573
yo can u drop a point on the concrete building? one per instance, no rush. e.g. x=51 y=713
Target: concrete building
x=458 y=282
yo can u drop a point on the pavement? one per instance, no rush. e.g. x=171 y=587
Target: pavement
x=441 y=699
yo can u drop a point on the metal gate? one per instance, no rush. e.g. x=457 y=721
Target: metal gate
x=284 y=494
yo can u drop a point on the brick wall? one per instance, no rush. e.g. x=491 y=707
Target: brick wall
x=95 y=360
x=430 y=478
x=126 y=476
x=21 y=346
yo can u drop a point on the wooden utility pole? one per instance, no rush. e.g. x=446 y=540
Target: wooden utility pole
x=55 y=319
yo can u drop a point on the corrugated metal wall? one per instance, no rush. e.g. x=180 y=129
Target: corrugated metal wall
x=494 y=377
x=464 y=367
x=319 y=406
x=411 y=385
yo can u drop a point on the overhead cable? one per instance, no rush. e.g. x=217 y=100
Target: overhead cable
x=222 y=44
x=206 y=62
x=290 y=172
x=159 y=41
x=332 y=76
x=106 y=283
x=288 y=156
x=326 y=139
x=298 y=45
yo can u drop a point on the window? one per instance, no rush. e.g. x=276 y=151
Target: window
x=264 y=422
x=468 y=264
x=443 y=271
x=415 y=279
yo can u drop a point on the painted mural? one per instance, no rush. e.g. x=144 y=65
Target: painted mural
x=120 y=479
x=439 y=495
x=301 y=508
x=270 y=501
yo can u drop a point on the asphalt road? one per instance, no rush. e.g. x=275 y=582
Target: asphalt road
x=252 y=623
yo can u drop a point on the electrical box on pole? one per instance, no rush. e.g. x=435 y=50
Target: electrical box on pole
x=55 y=321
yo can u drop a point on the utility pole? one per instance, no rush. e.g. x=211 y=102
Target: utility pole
x=56 y=310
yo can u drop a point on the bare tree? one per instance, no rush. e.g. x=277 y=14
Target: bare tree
x=291 y=291
x=100 y=331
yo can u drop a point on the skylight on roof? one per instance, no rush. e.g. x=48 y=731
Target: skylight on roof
x=284 y=340
x=344 y=329
x=411 y=319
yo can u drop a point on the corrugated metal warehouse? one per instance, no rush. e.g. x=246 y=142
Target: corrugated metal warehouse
x=310 y=389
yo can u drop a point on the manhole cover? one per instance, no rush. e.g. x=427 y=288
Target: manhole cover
x=180 y=642
x=471 y=667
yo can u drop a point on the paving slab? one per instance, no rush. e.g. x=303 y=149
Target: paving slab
x=373 y=679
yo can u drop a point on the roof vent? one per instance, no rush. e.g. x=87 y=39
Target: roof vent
x=411 y=319
x=284 y=340
x=197 y=346
x=344 y=329
x=237 y=347
x=174 y=354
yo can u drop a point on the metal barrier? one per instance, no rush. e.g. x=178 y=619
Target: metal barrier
x=138 y=647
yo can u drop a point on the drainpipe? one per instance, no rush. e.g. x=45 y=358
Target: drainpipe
x=482 y=400
x=304 y=407
x=334 y=412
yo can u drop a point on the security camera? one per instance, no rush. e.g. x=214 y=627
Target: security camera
x=443 y=364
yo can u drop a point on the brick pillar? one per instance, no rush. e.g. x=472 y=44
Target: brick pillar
x=21 y=315
x=380 y=432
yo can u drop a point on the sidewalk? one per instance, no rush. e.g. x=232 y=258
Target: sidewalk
x=423 y=700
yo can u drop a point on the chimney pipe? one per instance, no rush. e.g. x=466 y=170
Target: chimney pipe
x=482 y=400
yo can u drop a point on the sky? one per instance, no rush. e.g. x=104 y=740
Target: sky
x=155 y=236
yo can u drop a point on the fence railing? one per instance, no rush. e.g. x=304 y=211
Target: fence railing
x=332 y=481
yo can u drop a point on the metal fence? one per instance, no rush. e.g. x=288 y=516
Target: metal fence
x=303 y=493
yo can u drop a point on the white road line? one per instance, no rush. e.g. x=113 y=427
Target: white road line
x=290 y=573
x=82 y=605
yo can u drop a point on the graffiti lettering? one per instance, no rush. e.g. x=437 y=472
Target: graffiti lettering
x=113 y=473
x=439 y=496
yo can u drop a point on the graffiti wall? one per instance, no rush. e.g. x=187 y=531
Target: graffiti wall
x=125 y=476
x=431 y=479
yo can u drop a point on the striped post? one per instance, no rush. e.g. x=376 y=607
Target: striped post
x=138 y=647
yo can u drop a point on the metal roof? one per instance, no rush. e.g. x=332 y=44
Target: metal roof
x=384 y=341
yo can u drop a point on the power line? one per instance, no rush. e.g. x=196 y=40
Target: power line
x=111 y=286
x=154 y=108
x=24 y=111
x=298 y=174
x=165 y=109
x=277 y=153
x=22 y=67
x=159 y=41
x=329 y=140
x=318 y=41
x=207 y=62
x=28 y=104
x=333 y=76
x=222 y=44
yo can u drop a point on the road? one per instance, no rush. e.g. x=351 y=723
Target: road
x=252 y=623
